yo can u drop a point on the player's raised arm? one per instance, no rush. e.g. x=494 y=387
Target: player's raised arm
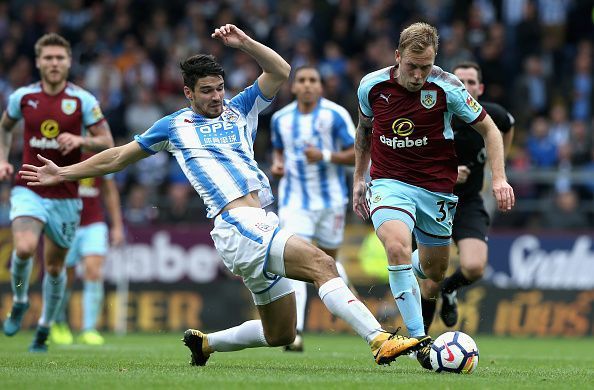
x=503 y=192
x=275 y=69
x=108 y=161
x=362 y=159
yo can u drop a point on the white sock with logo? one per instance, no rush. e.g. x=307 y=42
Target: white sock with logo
x=342 y=303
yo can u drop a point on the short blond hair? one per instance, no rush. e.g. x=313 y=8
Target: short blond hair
x=52 y=39
x=417 y=37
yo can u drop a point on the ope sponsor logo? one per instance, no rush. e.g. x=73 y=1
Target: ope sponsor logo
x=215 y=127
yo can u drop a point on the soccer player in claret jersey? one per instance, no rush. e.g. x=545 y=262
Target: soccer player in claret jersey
x=404 y=129
x=313 y=138
x=90 y=246
x=59 y=119
x=472 y=221
x=212 y=141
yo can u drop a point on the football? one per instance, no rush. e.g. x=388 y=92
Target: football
x=454 y=352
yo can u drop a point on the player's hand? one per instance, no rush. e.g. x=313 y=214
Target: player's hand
x=277 y=169
x=463 y=173
x=46 y=175
x=6 y=170
x=116 y=235
x=504 y=194
x=69 y=142
x=360 y=206
x=313 y=154
x=230 y=35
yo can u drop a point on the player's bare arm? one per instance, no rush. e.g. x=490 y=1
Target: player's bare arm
x=111 y=199
x=99 y=139
x=275 y=69
x=503 y=192
x=6 y=125
x=278 y=163
x=362 y=159
x=108 y=161
x=507 y=140
x=343 y=157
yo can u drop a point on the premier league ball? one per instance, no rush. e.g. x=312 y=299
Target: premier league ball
x=454 y=352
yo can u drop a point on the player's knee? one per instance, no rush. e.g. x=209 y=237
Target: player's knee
x=25 y=249
x=281 y=337
x=436 y=271
x=53 y=269
x=398 y=253
x=474 y=271
x=325 y=266
x=93 y=275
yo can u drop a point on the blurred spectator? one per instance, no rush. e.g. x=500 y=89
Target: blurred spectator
x=143 y=112
x=564 y=212
x=559 y=124
x=531 y=91
x=581 y=140
x=542 y=149
x=582 y=84
x=138 y=210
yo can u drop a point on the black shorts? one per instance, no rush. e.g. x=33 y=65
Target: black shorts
x=471 y=219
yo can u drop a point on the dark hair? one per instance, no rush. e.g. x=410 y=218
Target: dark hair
x=52 y=39
x=302 y=67
x=471 y=65
x=198 y=66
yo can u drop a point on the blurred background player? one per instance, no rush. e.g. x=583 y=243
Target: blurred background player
x=404 y=130
x=313 y=138
x=472 y=220
x=91 y=246
x=59 y=119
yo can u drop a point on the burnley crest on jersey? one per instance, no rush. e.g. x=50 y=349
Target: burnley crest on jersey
x=428 y=98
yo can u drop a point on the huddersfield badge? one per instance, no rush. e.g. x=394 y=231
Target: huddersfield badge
x=428 y=98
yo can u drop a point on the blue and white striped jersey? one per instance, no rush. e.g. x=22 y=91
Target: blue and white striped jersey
x=216 y=155
x=312 y=186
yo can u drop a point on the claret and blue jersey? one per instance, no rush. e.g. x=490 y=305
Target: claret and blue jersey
x=412 y=139
x=319 y=185
x=216 y=154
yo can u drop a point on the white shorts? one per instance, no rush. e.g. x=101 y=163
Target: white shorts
x=325 y=226
x=251 y=244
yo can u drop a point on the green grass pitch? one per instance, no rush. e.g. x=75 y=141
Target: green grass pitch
x=150 y=361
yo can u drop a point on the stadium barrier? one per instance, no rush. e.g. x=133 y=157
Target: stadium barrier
x=537 y=285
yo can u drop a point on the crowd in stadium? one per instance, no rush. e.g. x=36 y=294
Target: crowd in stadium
x=536 y=55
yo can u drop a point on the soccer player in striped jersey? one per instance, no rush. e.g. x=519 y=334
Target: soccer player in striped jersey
x=405 y=131
x=212 y=141
x=313 y=139
x=59 y=118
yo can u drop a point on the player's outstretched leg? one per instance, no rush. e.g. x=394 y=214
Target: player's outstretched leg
x=300 y=301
